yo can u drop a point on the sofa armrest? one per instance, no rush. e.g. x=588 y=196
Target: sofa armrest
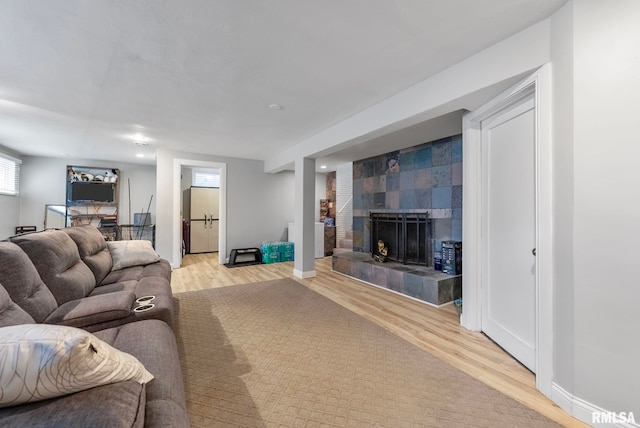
x=93 y=310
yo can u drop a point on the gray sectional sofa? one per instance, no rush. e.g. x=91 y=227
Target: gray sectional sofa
x=67 y=278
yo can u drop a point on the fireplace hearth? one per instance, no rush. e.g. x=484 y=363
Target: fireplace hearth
x=407 y=236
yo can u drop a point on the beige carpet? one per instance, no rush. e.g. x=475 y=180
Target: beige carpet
x=278 y=354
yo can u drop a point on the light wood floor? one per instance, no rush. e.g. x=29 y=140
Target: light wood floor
x=436 y=330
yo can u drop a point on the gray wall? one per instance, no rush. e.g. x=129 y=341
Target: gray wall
x=259 y=205
x=43 y=181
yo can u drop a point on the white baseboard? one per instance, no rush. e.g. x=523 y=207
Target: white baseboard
x=303 y=275
x=583 y=410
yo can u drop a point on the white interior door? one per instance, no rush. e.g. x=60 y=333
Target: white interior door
x=509 y=230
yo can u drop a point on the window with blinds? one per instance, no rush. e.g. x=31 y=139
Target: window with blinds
x=9 y=175
x=206 y=178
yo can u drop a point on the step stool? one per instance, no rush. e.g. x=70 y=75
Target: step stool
x=244 y=257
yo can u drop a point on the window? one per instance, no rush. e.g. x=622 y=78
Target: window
x=206 y=178
x=9 y=175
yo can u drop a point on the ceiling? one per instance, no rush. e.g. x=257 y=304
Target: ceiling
x=87 y=79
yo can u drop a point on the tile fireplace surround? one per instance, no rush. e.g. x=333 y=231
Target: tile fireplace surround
x=420 y=282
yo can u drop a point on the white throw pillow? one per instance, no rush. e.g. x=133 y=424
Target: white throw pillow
x=131 y=253
x=41 y=361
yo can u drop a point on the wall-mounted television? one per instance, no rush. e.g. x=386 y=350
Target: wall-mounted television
x=91 y=191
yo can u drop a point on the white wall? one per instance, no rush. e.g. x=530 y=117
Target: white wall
x=606 y=204
x=563 y=187
x=259 y=205
x=43 y=181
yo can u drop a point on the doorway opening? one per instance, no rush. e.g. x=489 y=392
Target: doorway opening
x=178 y=166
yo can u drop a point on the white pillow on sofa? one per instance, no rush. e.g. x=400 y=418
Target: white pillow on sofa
x=41 y=361
x=131 y=253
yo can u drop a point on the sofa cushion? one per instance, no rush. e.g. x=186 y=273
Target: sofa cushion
x=10 y=313
x=131 y=253
x=55 y=256
x=154 y=344
x=117 y=405
x=21 y=280
x=42 y=361
x=161 y=268
x=147 y=286
x=92 y=249
x=92 y=312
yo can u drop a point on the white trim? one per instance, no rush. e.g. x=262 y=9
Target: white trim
x=472 y=217
x=176 y=221
x=581 y=409
x=303 y=275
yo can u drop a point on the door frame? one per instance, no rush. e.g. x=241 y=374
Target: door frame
x=178 y=164
x=473 y=194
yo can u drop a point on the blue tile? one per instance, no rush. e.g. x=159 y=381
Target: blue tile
x=442 y=229
x=367 y=168
x=422 y=198
x=367 y=201
x=379 y=165
x=393 y=182
x=440 y=197
x=456 y=197
x=441 y=176
x=456 y=213
x=423 y=178
x=423 y=157
x=392 y=201
x=357 y=187
x=357 y=224
x=413 y=285
x=407 y=180
x=456 y=229
x=392 y=163
x=456 y=148
x=407 y=161
x=379 y=200
x=358 y=170
x=357 y=202
x=407 y=200
x=441 y=152
x=369 y=184
x=456 y=174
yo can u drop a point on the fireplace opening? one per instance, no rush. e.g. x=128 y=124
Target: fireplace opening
x=407 y=236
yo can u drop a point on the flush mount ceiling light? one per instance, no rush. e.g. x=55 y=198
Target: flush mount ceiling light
x=323 y=167
x=276 y=107
x=140 y=140
x=139 y=155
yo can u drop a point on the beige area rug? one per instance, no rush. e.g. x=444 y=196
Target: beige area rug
x=276 y=353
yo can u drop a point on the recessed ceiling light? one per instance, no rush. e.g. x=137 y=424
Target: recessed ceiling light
x=276 y=107
x=323 y=167
x=139 y=155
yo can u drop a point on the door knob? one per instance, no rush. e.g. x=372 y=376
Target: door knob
x=533 y=251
